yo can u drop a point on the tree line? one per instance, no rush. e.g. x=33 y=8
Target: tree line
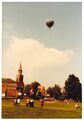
x=71 y=90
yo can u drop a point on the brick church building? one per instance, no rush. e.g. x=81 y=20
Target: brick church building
x=11 y=88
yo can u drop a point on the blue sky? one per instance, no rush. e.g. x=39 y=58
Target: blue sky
x=25 y=33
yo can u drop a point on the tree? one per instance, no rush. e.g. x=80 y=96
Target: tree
x=34 y=86
x=50 y=91
x=54 y=91
x=27 y=89
x=31 y=90
x=41 y=92
x=73 y=88
x=57 y=91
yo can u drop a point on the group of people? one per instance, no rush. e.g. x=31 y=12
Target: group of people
x=29 y=102
x=17 y=101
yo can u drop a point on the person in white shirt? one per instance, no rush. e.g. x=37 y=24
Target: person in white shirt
x=18 y=101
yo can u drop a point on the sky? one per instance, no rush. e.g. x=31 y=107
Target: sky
x=48 y=56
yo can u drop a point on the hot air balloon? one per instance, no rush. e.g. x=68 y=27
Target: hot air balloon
x=49 y=23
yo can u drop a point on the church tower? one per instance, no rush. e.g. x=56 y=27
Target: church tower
x=19 y=80
x=19 y=77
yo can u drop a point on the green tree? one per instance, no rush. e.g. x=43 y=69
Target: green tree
x=34 y=86
x=54 y=91
x=73 y=88
x=50 y=91
x=27 y=89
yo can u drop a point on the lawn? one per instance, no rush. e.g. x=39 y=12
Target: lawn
x=55 y=109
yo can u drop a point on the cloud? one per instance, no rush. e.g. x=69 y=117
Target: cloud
x=39 y=62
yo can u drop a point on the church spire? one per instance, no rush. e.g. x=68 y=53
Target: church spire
x=20 y=67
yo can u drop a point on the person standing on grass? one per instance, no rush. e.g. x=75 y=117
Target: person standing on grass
x=42 y=103
x=15 y=102
x=18 y=101
x=77 y=106
x=31 y=103
x=27 y=102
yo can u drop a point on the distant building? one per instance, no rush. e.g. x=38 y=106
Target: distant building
x=9 y=87
x=12 y=88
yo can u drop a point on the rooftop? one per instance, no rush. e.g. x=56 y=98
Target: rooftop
x=7 y=80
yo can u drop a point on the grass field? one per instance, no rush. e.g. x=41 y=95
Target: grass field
x=55 y=109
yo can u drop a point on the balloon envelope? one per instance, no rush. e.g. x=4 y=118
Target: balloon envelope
x=50 y=23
